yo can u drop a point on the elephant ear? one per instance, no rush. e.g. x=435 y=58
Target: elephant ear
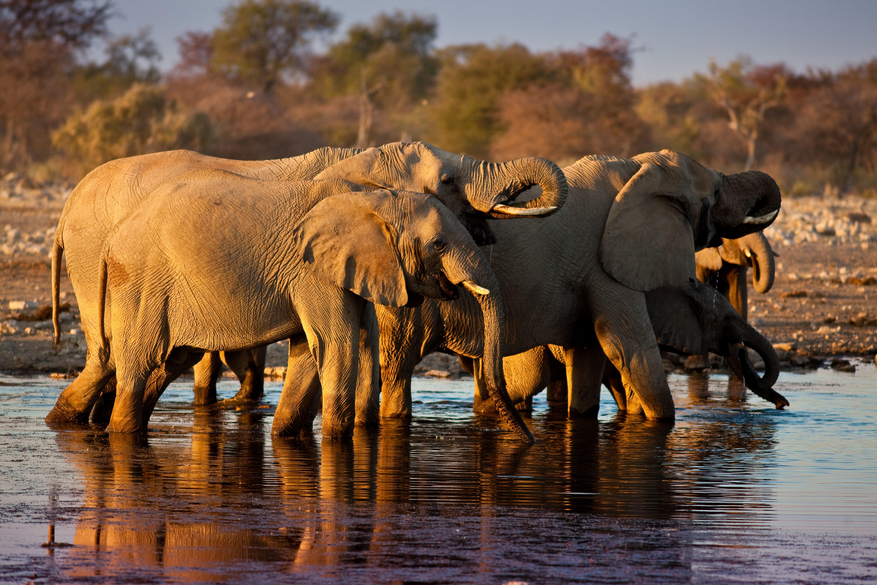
x=648 y=240
x=709 y=258
x=344 y=242
x=675 y=319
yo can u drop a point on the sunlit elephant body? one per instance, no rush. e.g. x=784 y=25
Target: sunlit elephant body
x=258 y=261
x=578 y=279
x=471 y=189
x=726 y=268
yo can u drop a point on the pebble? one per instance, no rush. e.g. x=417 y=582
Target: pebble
x=22 y=305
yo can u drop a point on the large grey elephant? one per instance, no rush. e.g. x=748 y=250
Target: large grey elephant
x=469 y=187
x=253 y=262
x=725 y=268
x=690 y=319
x=578 y=278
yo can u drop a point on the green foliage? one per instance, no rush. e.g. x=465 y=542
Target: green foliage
x=473 y=78
x=142 y=120
x=129 y=59
x=261 y=40
x=392 y=57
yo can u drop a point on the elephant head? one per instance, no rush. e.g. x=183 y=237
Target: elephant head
x=392 y=248
x=473 y=190
x=696 y=319
x=673 y=206
x=750 y=251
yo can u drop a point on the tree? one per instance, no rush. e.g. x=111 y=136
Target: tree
x=747 y=92
x=262 y=40
x=142 y=120
x=388 y=63
x=38 y=39
x=466 y=107
x=837 y=124
x=589 y=109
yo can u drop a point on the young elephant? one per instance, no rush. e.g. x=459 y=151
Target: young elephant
x=251 y=262
x=725 y=268
x=690 y=319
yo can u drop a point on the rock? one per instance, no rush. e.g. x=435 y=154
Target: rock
x=786 y=346
x=755 y=359
x=437 y=374
x=859 y=218
x=696 y=363
x=842 y=365
x=275 y=372
x=21 y=305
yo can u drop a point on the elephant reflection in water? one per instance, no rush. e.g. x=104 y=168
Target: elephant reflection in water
x=133 y=517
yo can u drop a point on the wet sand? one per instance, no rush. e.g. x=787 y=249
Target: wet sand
x=733 y=491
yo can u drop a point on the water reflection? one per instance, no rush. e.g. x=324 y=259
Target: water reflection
x=201 y=505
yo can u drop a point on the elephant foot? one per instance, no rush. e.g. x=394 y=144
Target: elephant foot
x=205 y=395
x=63 y=414
x=252 y=388
x=337 y=430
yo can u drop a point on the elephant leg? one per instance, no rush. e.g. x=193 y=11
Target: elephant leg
x=180 y=360
x=206 y=375
x=300 y=400
x=127 y=416
x=584 y=376
x=249 y=367
x=398 y=358
x=77 y=400
x=625 y=332
x=368 y=382
x=612 y=381
x=103 y=407
x=482 y=403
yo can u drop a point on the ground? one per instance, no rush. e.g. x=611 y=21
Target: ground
x=823 y=304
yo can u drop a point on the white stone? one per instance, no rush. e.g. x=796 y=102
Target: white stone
x=21 y=305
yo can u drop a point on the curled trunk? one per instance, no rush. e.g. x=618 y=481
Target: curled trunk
x=494 y=186
x=749 y=202
x=738 y=360
x=762 y=262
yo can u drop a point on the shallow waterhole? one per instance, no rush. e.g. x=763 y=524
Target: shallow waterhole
x=732 y=491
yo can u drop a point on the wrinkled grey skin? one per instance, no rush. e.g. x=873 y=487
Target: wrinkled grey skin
x=726 y=267
x=472 y=189
x=578 y=278
x=258 y=261
x=691 y=319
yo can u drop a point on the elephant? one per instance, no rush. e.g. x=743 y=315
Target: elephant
x=725 y=267
x=469 y=187
x=252 y=262
x=689 y=319
x=579 y=278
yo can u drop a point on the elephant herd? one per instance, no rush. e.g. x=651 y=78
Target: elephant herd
x=366 y=261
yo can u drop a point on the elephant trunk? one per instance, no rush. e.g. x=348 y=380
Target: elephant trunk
x=475 y=275
x=738 y=360
x=495 y=185
x=749 y=202
x=760 y=255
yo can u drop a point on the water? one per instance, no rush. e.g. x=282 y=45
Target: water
x=734 y=491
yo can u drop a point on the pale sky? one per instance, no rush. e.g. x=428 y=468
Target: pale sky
x=676 y=37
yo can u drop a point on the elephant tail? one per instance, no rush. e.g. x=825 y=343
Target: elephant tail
x=57 y=252
x=104 y=350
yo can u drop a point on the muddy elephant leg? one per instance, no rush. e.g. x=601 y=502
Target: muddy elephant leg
x=249 y=367
x=623 y=327
x=584 y=377
x=300 y=400
x=180 y=360
x=76 y=401
x=206 y=375
x=368 y=382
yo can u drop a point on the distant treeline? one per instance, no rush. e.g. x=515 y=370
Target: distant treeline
x=254 y=88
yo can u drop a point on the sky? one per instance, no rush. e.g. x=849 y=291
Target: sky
x=674 y=38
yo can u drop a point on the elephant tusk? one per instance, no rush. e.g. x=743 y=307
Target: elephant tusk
x=761 y=219
x=747 y=253
x=521 y=211
x=475 y=289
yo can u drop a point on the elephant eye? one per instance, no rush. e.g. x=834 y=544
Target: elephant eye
x=439 y=245
x=447 y=179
